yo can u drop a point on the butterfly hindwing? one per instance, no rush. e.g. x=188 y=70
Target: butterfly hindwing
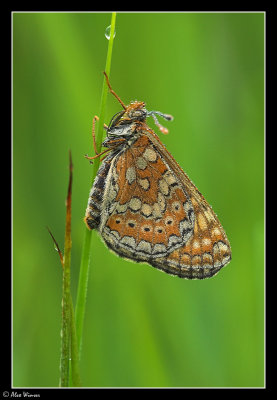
x=208 y=249
x=204 y=254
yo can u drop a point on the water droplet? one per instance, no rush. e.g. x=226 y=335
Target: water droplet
x=108 y=32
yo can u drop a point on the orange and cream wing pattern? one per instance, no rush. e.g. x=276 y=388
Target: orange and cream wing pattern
x=146 y=212
x=206 y=251
x=146 y=208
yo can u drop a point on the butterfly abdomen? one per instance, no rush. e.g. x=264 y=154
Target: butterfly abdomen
x=93 y=211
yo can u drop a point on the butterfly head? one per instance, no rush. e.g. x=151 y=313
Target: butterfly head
x=133 y=113
x=124 y=123
x=136 y=111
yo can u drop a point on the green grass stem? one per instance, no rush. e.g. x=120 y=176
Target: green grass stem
x=74 y=371
x=85 y=257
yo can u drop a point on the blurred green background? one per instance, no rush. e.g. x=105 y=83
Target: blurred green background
x=143 y=328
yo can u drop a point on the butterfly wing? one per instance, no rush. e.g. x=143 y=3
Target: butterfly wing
x=146 y=213
x=149 y=210
x=204 y=254
x=208 y=249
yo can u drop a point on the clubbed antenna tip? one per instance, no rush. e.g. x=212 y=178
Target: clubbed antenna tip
x=168 y=117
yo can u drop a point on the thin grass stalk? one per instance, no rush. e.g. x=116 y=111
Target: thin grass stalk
x=85 y=258
x=74 y=371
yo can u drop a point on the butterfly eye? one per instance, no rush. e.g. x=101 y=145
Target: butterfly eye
x=115 y=119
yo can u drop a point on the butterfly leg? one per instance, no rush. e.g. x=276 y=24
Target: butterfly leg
x=113 y=92
x=93 y=132
x=97 y=154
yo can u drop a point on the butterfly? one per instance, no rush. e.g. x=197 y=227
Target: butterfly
x=145 y=207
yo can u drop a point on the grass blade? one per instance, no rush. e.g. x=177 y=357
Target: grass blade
x=66 y=296
x=69 y=361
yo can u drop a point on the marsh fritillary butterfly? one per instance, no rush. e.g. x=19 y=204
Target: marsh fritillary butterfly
x=146 y=208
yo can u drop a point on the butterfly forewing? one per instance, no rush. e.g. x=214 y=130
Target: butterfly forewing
x=146 y=213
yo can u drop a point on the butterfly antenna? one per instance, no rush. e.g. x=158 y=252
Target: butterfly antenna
x=168 y=117
x=113 y=92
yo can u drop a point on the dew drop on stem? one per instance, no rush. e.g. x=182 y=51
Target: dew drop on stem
x=108 y=32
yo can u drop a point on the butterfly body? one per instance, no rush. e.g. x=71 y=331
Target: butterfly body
x=146 y=208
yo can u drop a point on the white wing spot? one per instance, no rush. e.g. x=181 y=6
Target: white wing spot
x=144 y=183
x=163 y=186
x=146 y=209
x=135 y=204
x=150 y=155
x=131 y=175
x=170 y=179
x=141 y=163
x=206 y=242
